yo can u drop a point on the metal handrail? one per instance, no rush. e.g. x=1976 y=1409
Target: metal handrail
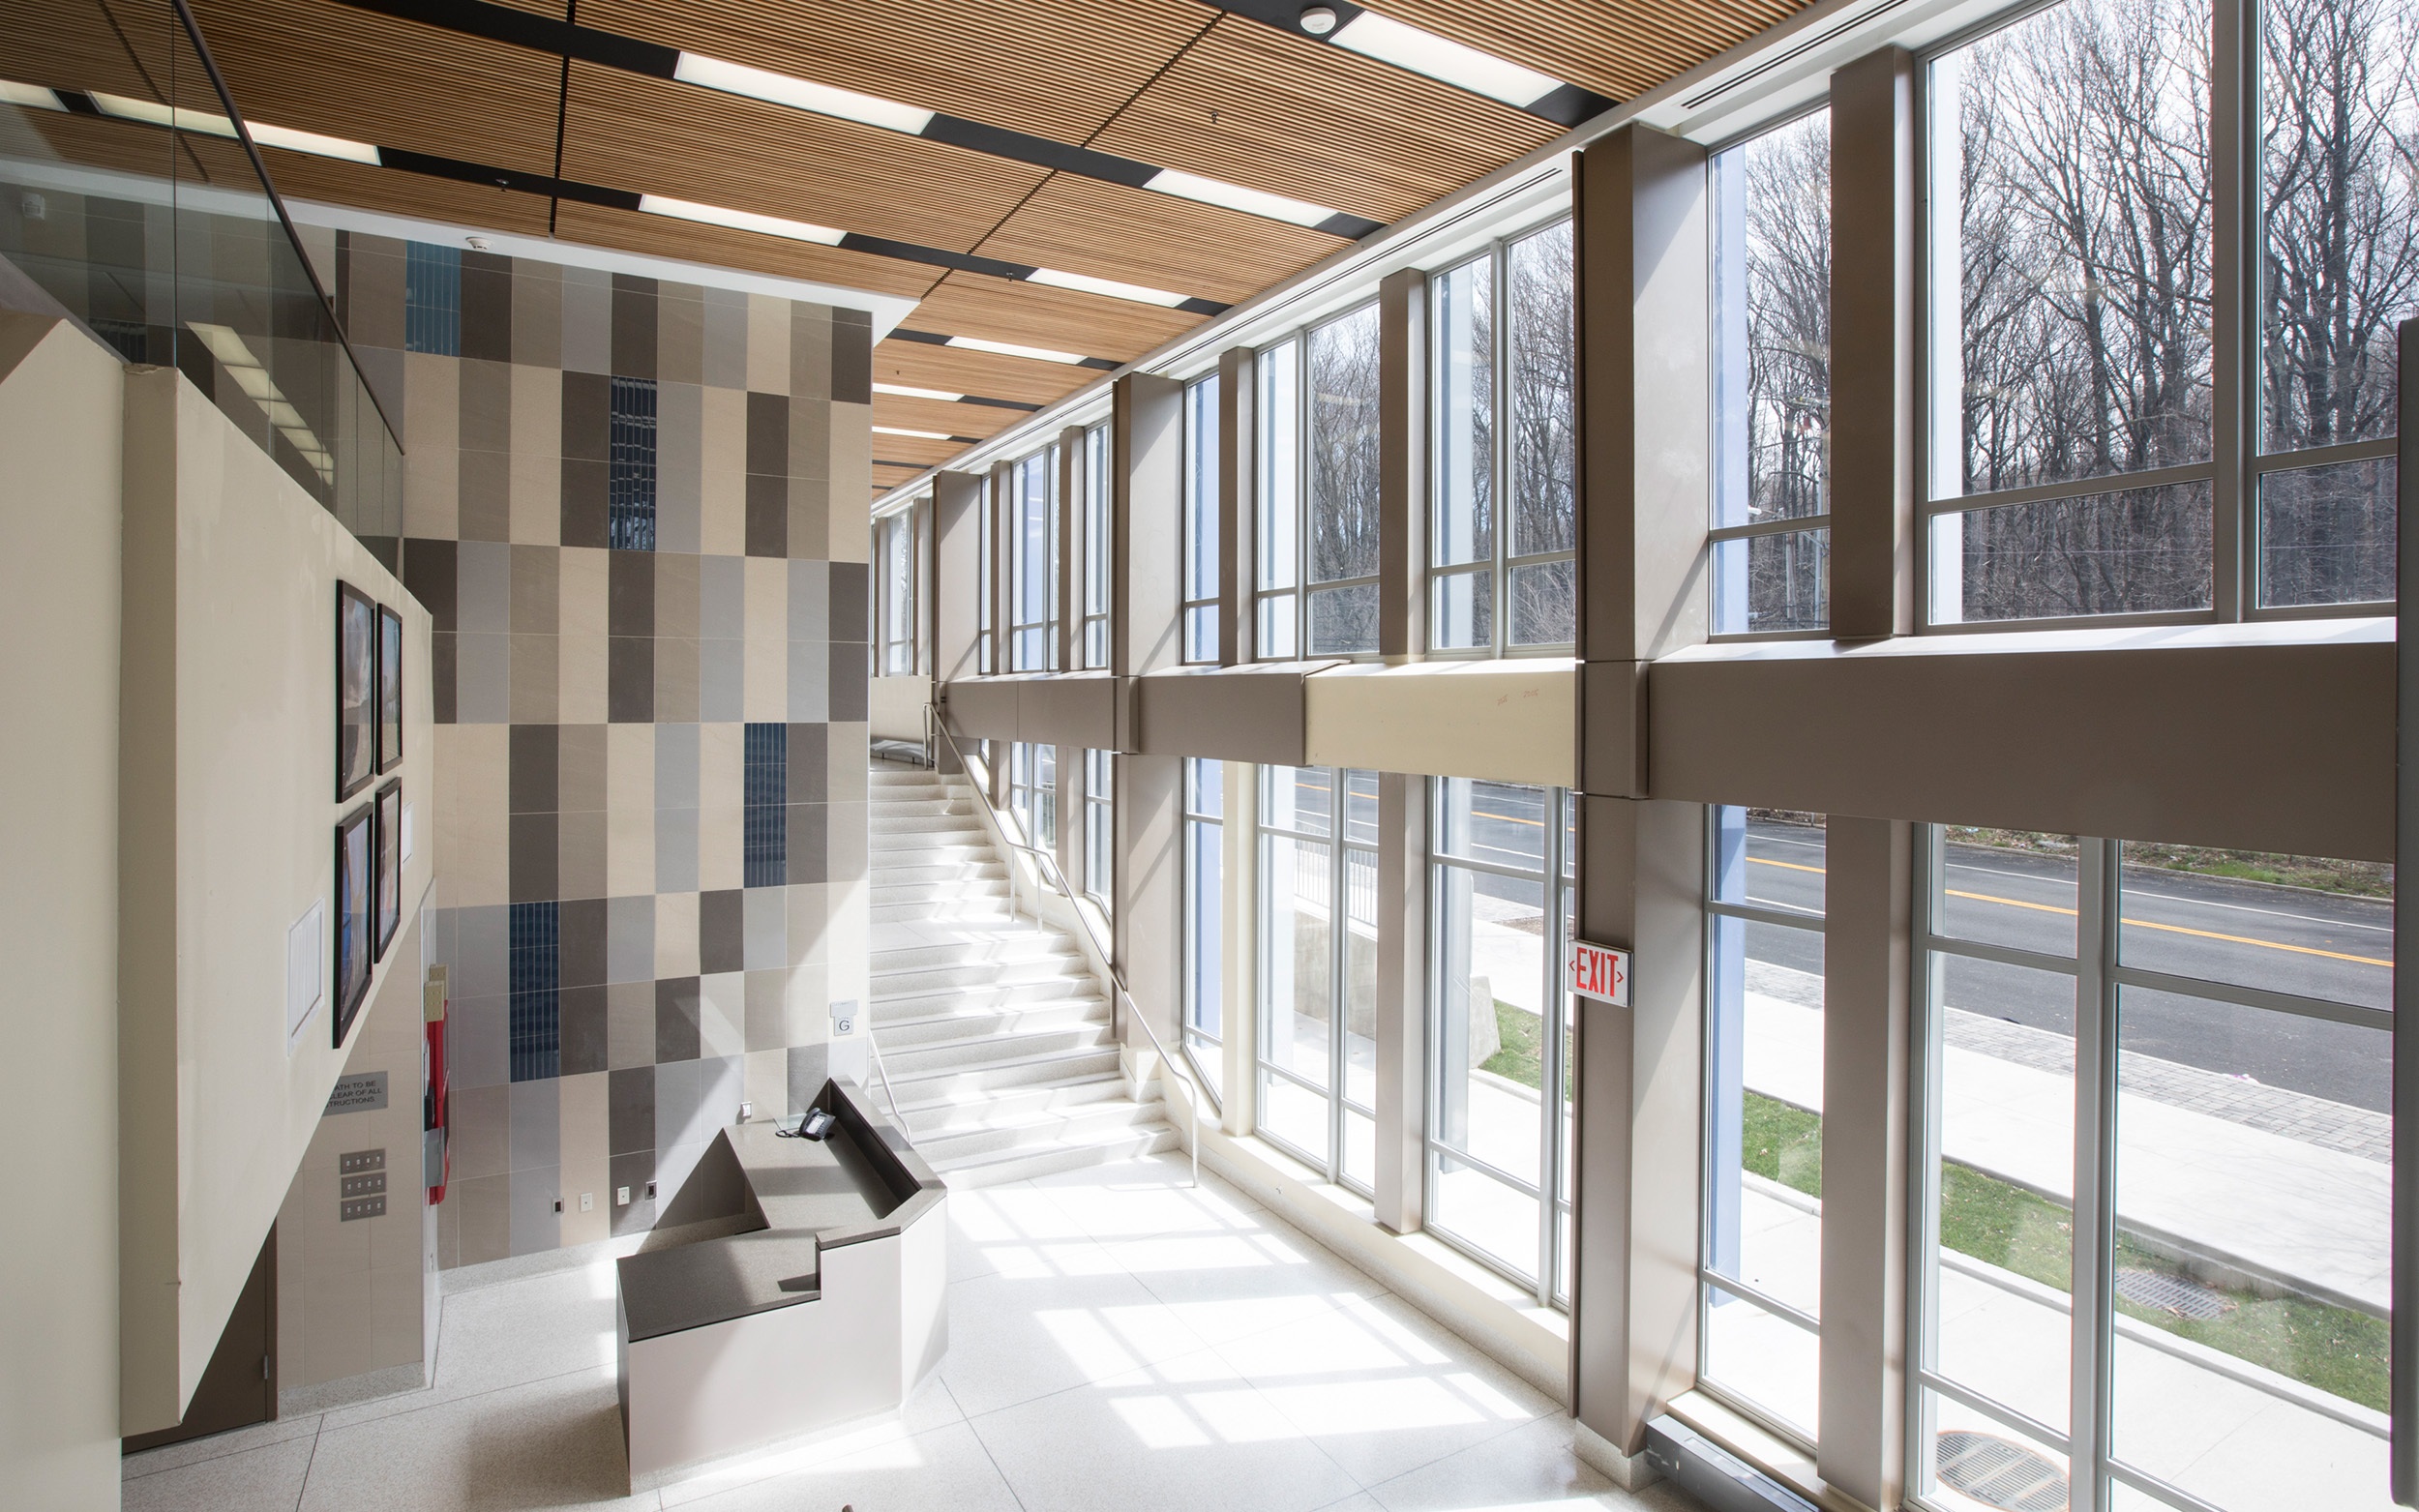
x=1046 y=868
x=882 y=1069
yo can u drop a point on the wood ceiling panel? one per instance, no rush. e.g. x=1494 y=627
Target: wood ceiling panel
x=320 y=67
x=886 y=479
x=72 y=45
x=923 y=366
x=663 y=237
x=937 y=414
x=909 y=448
x=628 y=132
x=331 y=181
x=1253 y=105
x=92 y=142
x=1109 y=231
x=1619 y=54
x=1054 y=68
x=1034 y=314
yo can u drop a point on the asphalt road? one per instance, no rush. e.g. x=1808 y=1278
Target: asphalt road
x=2312 y=944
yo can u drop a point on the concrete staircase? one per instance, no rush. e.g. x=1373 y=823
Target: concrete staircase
x=995 y=1033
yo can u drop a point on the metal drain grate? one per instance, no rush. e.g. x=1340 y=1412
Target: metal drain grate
x=2165 y=1293
x=1998 y=1473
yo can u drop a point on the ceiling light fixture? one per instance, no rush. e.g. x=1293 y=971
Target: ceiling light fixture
x=1374 y=36
x=904 y=391
x=1318 y=19
x=1085 y=282
x=922 y=435
x=975 y=344
x=152 y=112
x=738 y=219
x=31 y=96
x=782 y=89
x=234 y=355
x=1234 y=197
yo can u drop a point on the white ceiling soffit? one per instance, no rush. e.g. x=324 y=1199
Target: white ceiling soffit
x=1774 y=73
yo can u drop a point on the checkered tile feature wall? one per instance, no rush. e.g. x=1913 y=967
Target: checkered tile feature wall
x=636 y=513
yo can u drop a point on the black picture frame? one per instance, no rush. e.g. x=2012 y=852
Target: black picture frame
x=355 y=861
x=357 y=690
x=386 y=887
x=390 y=690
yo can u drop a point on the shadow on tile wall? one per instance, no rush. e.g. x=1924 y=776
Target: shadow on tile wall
x=637 y=512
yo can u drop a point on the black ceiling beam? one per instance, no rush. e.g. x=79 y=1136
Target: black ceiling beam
x=1568 y=104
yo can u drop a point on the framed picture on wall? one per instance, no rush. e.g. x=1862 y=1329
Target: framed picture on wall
x=388 y=889
x=354 y=864
x=357 y=690
x=390 y=689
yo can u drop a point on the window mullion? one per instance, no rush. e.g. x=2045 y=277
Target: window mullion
x=2234 y=219
x=1499 y=506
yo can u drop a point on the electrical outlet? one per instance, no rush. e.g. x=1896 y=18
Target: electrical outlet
x=559 y=1205
x=360 y=1160
x=621 y=1197
x=362 y=1186
x=650 y=1191
x=587 y=1201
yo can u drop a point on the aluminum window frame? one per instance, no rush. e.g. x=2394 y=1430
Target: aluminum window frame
x=900 y=655
x=1026 y=507
x=2233 y=101
x=1302 y=589
x=1501 y=563
x=1095 y=580
x=1200 y=829
x=1198 y=520
x=1101 y=846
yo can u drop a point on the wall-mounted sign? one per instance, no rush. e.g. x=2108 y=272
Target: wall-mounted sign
x=1598 y=971
x=362 y=1092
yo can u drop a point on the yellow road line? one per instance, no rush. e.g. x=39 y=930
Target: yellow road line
x=1793 y=866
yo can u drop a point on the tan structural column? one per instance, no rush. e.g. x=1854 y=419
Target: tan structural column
x=1238 y=508
x=1873 y=537
x=1645 y=468
x=1402 y=1103
x=1146 y=480
x=1402 y=465
x=1868 y=898
x=955 y=577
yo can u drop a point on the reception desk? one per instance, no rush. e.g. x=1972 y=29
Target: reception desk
x=827 y=1305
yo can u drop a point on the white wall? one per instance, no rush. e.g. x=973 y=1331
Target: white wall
x=227 y=814
x=59 y=419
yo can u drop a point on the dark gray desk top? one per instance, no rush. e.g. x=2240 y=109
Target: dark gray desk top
x=803 y=1196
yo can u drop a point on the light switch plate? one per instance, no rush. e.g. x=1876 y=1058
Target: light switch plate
x=621 y=1197
x=587 y=1201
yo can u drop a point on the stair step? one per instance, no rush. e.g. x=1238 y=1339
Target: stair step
x=1011 y=1044
x=1079 y=1125
x=920 y=980
x=1022 y=1071
x=1001 y=947
x=1003 y=1020
x=889 y=1007
x=1016 y=1165
x=935 y=1109
x=940 y=872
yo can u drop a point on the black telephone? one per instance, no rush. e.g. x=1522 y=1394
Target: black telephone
x=814 y=1126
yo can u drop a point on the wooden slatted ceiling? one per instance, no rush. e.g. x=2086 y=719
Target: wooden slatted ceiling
x=91 y=142
x=940 y=414
x=921 y=366
x=331 y=181
x=1619 y=54
x=67 y=45
x=1109 y=231
x=913 y=449
x=1253 y=105
x=319 y=67
x=663 y=237
x=1034 y=314
x=1054 y=68
x=654 y=136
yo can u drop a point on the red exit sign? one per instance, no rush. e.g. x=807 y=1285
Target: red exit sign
x=1599 y=972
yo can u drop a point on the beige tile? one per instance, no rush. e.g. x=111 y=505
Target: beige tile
x=579 y=852
x=722 y=763
x=582 y=690
x=676 y=681
x=675 y=935
x=723 y=523
x=720 y=831
x=844 y=773
x=473 y=852
x=586 y=1140
x=536 y=590
x=677 y=594
x=767 y=653
x=432 y=459
x=852 y=480
x=396 y=1317
x=629 y=850
x=536 y=498
x=336 y=1324
x=629 y=773
x=768 y=1018
x=629 y=1024
x=810 y=922
x=845 y=854
x=536 y=670
x=583 y=590
x=538 y=313
x=722 y=1014
x=768 y=1074
x=768 y=343
x=809 y=1005
x=810 y=351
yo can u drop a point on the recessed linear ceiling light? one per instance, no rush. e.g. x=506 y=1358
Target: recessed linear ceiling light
x=254 y=379
x=922 y=435
x=1233 y=196
x=1084 y=283
x=32 y=97
x=1388 y=41
x=153 y=114
x=975 y=344
x=739 y=219
x=904 y=391
x=800 y=93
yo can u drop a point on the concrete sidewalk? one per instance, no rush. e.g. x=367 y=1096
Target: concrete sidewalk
x=2273 y=1207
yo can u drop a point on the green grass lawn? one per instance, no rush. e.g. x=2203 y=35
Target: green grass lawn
x=2336 y=1349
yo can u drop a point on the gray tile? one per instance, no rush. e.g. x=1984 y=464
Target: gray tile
x=537 y=313
x=633 y=326
x=769 y=515
x=810 y=600
x=810 y=1067
x=588 y=415
x=587 y=513
x=810 y=520
x=808 y=844
x=582 y=786
x=483 y=586
x=845 y=701
x=677 y=1006
x=676 y=849
x=722 y=931
x=487 y=307
x=477 y=1041
x=847 y=617
x=676 y=769
x=486 y=403
x=807 y=763
x=630 y=1110
x=535 y=859
x=722 y=1084
x=629 y=1024
x=483 y=510
x=810 y=440
x=630 y=938
x=810 y=682
x=483 y=679
x=432 y=571
x=536 y=590
x=536 y=768
x=581 y=948
x=810 y=350
x=630 y=593
x=536 y=1138
x=676 y=592
x=482 y=945
x=768 y=926
x=675 y=1102
x=677 y=678
x=851 y=356
x=582 y=1026
x=631 y=1173
x=587 y=320
x=722 y=681
x=726 y=339
x=679 y=333
x=679 y=468
x=767 y=1010
x=630 y=679
x=536 y=1227
x=722 y=598
x=479 y=1130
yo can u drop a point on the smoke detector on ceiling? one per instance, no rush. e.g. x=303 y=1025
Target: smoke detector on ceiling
x=1318 y=20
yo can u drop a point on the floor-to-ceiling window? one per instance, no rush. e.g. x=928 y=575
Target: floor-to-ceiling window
x=1771 y=280
x=1759 y=1335
x=898 y=585
x=1034 y=563
x=1205 y=881
x=1033 y=792
x=1503 y=463
x=2153 y=1175
x=1277 y=586
x=1093 y=649
x=1318 y=967
x=1499 y=1026
x=1202 y=549
x=1100 y=829
x=1315 y=583
x=2161 y=371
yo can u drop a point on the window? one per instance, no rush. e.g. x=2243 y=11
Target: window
x=1772 y=382
x=1033 y=792
x=630 y=466
x=1758 y=1338
x=1093 y=651
x=1318 y=1061
x=2088 y=385
x=1205 y=881
x=2217 y=1050
x=898 y=589
x=432 y=299
x=1277 y=580
x=1505 y=398
x=987 y=640
x=1339 y=486
x=1200 y=520
x=1033 y=568
x=1100 y=834
x=1500 y=1028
